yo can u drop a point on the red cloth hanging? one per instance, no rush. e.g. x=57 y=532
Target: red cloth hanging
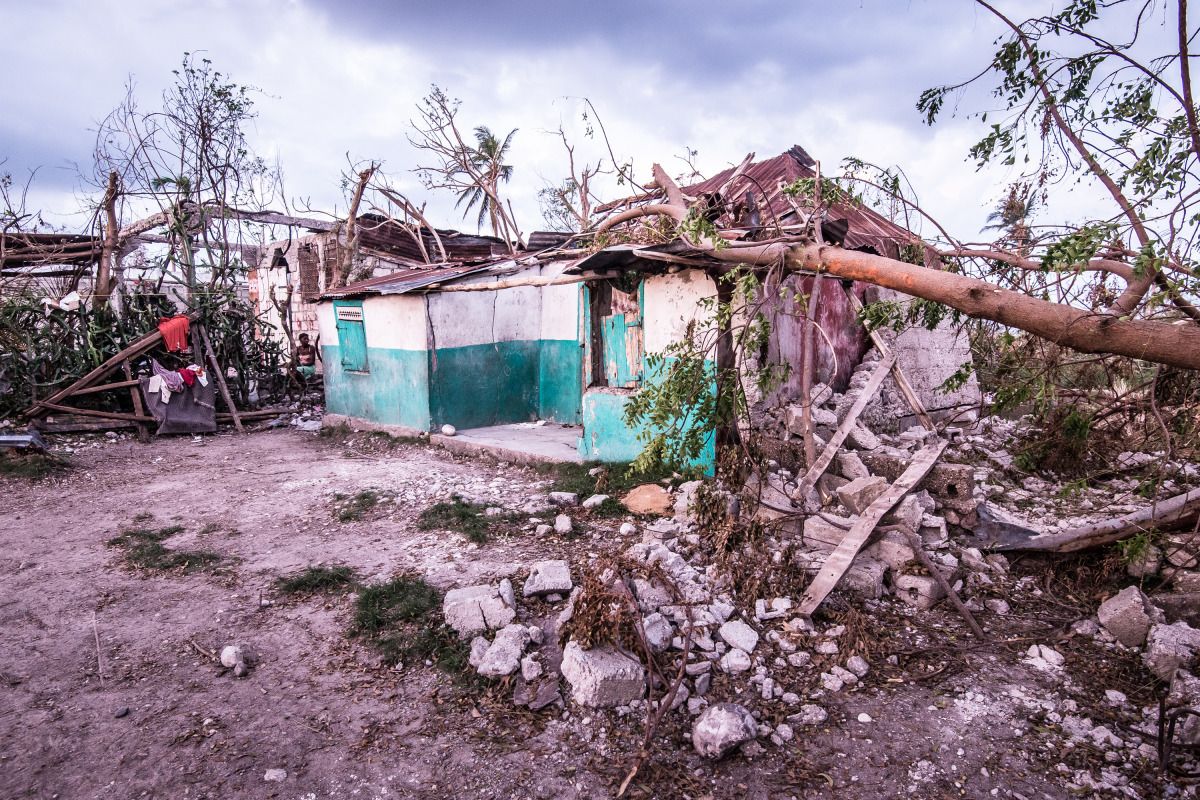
x=188 y=376
x=174 y=331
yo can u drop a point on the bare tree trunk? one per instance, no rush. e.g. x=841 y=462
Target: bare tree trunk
x=1176 y=345
x=103 y=289
x=351 y=248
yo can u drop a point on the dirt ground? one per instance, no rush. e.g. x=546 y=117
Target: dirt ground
x=105 y=691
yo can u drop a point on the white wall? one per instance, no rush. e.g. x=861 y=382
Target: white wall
x=462 y=319
x=671 y=301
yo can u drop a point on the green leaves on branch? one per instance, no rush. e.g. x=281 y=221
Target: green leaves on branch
x=1077 y=247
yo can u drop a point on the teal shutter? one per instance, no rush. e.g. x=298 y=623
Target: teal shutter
x=352 y=338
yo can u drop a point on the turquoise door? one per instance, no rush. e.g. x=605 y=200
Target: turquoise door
x=352 y=337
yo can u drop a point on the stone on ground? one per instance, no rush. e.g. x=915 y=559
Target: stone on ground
x=721 y=729
x=595 y=501
x=563 y=524
x=1170 y=647
x=548 y=577
x=851 y=466
x=503 y=657
x=602 y=677
x=563 y=498
x=739 y=635
x=921 y=591
x=649 y=498
x=475 y=609
x=1126 y=615
x=861 y=492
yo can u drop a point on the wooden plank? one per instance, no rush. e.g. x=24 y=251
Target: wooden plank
x=839 y=436
x=88 y=412
x=104 y=387
x=137 y=348
x=136 y=394
x=219 y=374
x=910 y=395
x=63 y=424
x=840 y=559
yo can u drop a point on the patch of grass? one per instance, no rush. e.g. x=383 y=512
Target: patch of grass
x=144 y=550
x=319 y=579
x=456 y=515
x=357 y=506
x=31 y=466
x=399 y=620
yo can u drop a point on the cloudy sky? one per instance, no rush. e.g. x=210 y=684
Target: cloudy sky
x=340 y=79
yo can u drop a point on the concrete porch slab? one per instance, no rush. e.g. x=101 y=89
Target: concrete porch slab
x=520 y=443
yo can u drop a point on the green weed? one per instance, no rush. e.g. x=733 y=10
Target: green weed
x=31 y=466
x=319 y=579
x=357 y=506
x=144 y=550
x=464 y=517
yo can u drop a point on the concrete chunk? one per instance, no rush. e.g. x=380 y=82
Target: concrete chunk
x=595 y=501
x=862 y=439
x=563 y=498
x=503 y=657
x=1126 y=616
x=851 y=466
x=475 y=609
x=921 y=591
x=721 y=729
x=1169 y=647
x=548 y=577
x=738 y=634
x=602 y=677
x=860 y=493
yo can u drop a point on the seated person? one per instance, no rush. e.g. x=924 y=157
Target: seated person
x=305 y=358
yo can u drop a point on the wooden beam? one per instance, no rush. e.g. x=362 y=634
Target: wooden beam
x=136 y=395
x=826 y=458
x=88 y=412
x=840 y=559
x=219 y=374
x=104 y=387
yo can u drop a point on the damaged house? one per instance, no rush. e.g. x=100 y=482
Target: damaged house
x=558 y=335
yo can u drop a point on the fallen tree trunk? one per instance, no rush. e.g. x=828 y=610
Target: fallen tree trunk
x=1176 y=345
x=1167 y=513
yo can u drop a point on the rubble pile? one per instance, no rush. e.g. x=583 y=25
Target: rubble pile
x=758 y=668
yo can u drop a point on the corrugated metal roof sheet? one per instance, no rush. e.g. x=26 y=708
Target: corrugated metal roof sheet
x=866 y=227
x=407 y=280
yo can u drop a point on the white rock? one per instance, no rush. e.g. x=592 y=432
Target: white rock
x=658 y=631
x=595 y=501
x=1169 y=647
x=865 y=718
x=563 y=524
x=531 y=668
x=503 y=657
x=543 y=529
x=449 y=430
x=628 y=529
x=736 y=661
x=1126 y=615
x=479 y=648
x=721 y=729
x=563 y=498
x=231 y=656
x=548 y=577
x=475 y=609
x=809 y=714
x=602 y=676
x=739 y=635
x=858 y=665
x=275 y=775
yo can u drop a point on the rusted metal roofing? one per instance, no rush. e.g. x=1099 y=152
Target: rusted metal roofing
x=407 y=280
x=385 y=237
x=866 y=228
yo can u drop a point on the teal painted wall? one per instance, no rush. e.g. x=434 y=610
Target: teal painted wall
x=485 y=384
x=394 y=392
x=607 y=438
x=560 y=381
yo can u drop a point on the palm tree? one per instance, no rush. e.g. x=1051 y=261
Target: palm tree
x=1013 y=214
x=487 y=159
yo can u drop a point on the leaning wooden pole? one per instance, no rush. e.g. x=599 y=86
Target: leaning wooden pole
x=219 y=375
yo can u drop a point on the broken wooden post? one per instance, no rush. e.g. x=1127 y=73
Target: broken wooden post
x=219 y=375
x=918 y=548
x=135 y=394
x=840 y=559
